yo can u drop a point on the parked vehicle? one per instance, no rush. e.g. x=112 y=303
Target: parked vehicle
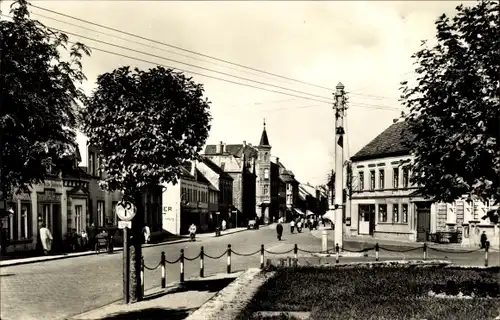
x=252 y=224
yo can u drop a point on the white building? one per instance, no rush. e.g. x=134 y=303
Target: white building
x=385 y=205
x=186 y=202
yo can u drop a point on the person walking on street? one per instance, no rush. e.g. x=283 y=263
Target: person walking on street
x=279 y=230
x=292 y=226
x=46 y=239
x=299 y=226
x=484 y=240
x=192 y=231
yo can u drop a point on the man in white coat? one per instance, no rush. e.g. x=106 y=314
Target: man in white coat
x=46 y=238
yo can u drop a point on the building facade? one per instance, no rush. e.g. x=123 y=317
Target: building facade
x=291 y=190
x=238 y=161
x=61 y=203
x=186 y=202
x=223 y=184
x=384 y=204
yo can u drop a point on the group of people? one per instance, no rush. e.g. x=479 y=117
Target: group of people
x=299 y=223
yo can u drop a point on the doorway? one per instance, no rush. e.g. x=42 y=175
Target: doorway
x=366 y=219
x=423 y=212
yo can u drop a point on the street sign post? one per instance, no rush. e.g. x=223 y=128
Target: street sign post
x=124 y=224
x=126 y=212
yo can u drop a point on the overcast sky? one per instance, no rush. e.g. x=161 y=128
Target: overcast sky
x=366 y=45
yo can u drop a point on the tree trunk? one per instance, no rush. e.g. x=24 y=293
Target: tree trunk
x=135 y=249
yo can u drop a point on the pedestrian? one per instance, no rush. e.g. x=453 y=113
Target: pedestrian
x=484 y=240
x=299 y=226
x=192 y=232
x=224 y=224
x=292 y=226
x=46 y=239
x=279 y=230
x=92 y=233
x=147 y=234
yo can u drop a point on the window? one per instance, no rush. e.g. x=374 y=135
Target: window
x=100 y=213
x=361 y=180
x=92 y=163
x=99 y=168
x=405 y=177
x=78 y=218
x=395 y=178
x=266 y=174
x=26 y=221
x=372 y=180
x=405 y=213
x=382 y=213
x=395 y=213
x=265 y=156
x=381 y=178
x=266 y=190
x=113 y=206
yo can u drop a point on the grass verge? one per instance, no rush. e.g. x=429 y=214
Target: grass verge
x=381 y=293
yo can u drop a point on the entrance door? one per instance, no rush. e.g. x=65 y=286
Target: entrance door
x=56 y=225
x=371 y=212
x=423 y=211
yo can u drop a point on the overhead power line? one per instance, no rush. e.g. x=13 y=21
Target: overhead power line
x=182 y=49
x=212 y=77
x=146 y=45
x=187 y=64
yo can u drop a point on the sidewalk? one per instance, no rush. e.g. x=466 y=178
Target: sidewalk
x=177 y=301
x=21 y=261
x=365 y=242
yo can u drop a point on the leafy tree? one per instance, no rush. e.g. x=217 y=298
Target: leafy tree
x=37 y=98
x=145 y=124
x=453 y=120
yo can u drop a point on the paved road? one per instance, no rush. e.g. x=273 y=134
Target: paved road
x=60 y=289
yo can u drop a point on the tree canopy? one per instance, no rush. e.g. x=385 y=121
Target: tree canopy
x=145 y=124
x=37 y=98
x=453 y=120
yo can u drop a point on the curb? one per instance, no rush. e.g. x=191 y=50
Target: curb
x=212 y=236
x=88 y=253
x=409 y=245
x=80 y=254
x=169 y=287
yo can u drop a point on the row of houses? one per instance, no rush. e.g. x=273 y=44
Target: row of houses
x=384 y=204
x=235 y=183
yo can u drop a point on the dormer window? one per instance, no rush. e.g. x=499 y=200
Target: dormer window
x=266 y=174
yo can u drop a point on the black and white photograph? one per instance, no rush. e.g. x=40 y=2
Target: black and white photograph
x=238 y=160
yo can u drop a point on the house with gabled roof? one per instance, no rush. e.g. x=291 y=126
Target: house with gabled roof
x=384 y=204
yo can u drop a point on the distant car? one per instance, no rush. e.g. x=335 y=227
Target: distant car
x=252 y=224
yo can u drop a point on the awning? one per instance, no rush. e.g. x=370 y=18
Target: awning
x=310 y=213
x=299 y=212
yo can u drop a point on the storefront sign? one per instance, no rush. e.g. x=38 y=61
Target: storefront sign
x=166 y=209
x=52 y=184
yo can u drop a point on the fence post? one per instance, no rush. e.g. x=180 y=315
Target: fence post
x=262 y=256
x=202 y=261
x=142 y=276
x=376 y=251
x=163 y=270
x=337 y=253
x=486 y=253
x=182 y=265
x=425 y=251
x=295 y=254
x=228 y=258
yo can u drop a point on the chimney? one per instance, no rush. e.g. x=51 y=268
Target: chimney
x=277 y=160
x=244 y=143
x=218 y=148
x=224 y=148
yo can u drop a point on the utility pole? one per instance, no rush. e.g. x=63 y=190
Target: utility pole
x=339 y=108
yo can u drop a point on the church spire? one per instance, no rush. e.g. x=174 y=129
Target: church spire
x=264 y=140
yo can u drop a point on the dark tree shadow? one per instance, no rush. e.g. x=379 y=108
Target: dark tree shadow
x=215 y=285
x=152 y=314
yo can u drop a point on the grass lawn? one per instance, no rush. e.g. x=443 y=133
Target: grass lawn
x=381 y=293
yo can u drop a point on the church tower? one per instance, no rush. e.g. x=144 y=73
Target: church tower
x=263 y=171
